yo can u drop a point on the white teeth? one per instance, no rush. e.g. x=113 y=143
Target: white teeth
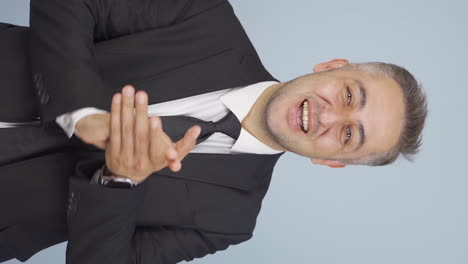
x=305 y=116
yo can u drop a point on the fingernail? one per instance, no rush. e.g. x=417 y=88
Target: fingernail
x=128 y=91
x=117 y=99
x=141 y=98
x=198 y=134
x=154 y=122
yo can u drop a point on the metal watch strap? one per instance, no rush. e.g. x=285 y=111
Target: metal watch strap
x=109 y=179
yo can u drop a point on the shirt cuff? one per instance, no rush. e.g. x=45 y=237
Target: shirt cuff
x=68 y=120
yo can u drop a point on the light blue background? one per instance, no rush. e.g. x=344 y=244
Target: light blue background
x=404 y=213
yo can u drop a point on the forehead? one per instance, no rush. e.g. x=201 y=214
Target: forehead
x=383 y=115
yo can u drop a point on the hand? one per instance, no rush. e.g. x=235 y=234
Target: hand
x=136 y=149
x=94 y=129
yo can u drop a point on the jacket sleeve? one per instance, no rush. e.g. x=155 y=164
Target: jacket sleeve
x=102 y=228
x=63 y=34
x=64 y=72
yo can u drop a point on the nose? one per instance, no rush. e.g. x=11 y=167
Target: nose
x=332 y=117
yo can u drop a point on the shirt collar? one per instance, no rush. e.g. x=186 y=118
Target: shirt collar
x=240 y=101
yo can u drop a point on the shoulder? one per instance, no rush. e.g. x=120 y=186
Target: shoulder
x=116 y=18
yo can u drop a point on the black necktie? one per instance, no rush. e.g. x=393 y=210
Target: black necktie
x=176 y=126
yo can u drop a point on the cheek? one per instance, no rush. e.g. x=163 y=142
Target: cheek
x=327 y=144
x=329 y=93
x=329 y=90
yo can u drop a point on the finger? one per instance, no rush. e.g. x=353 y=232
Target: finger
x=127 y=122
x=172 y=159
x=114 y=137
x=155 y=148
x=175 y=165
x=171 y=154
x=141 y=127
x=185 y=144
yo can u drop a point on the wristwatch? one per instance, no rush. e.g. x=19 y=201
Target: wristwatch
x=110 y=179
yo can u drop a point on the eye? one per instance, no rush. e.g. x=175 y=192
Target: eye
x=348 y=135
x=350 y=95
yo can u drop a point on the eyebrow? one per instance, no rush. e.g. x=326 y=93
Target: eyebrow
x=362 y=133
x=362 y=137
x=362 y=91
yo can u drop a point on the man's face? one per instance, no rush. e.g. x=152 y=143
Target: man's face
x=351 y=114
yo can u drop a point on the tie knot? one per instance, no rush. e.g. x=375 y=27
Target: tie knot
x=229 y=125
x=176 y=126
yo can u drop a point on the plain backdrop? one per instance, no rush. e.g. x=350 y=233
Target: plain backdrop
x=405 y=213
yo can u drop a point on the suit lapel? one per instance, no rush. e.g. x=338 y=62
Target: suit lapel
x=240 y=171
x=226 y=69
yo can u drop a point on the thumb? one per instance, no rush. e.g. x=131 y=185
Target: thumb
x=185 y=144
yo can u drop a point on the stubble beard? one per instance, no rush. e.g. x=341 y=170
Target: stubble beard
x=287 y=140
x=282 y=140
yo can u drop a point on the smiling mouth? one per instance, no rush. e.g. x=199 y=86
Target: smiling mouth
x=303 y=116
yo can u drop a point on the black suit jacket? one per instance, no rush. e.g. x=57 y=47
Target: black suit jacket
x=81 y=53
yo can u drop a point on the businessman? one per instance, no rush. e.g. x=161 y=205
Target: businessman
x=79 y=176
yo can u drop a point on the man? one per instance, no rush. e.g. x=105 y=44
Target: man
x=179 y=52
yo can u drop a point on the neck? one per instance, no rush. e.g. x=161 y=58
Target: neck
x=255 y=121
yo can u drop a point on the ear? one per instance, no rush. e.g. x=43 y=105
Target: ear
x=329 y=163
x=333 y=64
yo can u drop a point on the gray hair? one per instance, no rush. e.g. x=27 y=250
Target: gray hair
x=409 y=143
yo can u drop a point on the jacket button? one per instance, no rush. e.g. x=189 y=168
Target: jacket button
x=45 y=99
x=40 y=90
x=38 y=81
x=36 y=76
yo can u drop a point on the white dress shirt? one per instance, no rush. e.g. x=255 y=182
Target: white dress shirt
x=209 y=107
